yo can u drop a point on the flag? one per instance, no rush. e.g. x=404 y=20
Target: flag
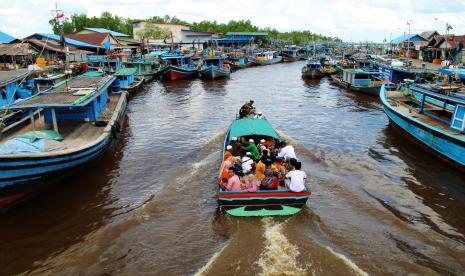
x=60 y=16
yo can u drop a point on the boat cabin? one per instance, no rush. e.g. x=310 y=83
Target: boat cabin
x=176 y=60
x=103 y=63
x=126 y=76
x=359 y=77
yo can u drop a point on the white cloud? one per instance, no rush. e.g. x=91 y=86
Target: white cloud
x=350 y=20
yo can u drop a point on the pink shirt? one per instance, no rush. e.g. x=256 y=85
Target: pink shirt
x=252 y=185
x=234 y=184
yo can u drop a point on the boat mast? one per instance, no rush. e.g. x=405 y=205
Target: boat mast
x=57 y=17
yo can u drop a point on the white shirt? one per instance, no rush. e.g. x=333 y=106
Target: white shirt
x=246 y=164
x=297 y=178
x=287 y=152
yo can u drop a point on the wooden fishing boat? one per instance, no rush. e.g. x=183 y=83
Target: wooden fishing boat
x=128 y=80
x=358 y=80
x=47 y=81
x=290 y=55
x=80 y=119
x=265 y=58
x=431 y=124
x=261 y=202
x=312 y=70
x=237 y=60
x=178 y=66
x=146 y=69
x=214 y=68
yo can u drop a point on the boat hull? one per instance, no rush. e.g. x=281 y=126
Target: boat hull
x=214 y=72
x=135 y=86
x=262 y=203
x=369 y=90
x=266 y=62
x=313 y=74
x=290 y=58
x=23 y=175
x=442 y=145
x=176 y=73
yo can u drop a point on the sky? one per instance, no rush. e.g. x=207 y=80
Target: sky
x=357 y=20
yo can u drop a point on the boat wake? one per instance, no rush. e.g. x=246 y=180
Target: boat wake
x=279 y=256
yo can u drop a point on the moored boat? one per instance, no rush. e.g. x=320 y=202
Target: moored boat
x=432 y=125
x=358 y=80
x=128 y=80
x=146 y=69
x=80 y=119
x=213 y=67
x=237 y=60
x=265 y=58
x=280 y=201
x=290 y=55
x=178 y=66
x=312 y=70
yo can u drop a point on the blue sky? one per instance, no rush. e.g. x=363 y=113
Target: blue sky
x=362 y=20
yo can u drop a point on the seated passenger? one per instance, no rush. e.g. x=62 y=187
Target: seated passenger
x=236 y=146
x=259 y=115
x=261 y=168
x=269 y=142
x=247 y=163
x=228 y=152
x=252 y=148
x=270 y=182
x=234 y=183
x=251 y=183
x=296 y=179
x=287 y=151
x=246 y=110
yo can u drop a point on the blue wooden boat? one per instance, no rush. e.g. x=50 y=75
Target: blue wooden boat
x=290 y=55
x=213 y=67
x=358 y=80
x=237 y=60
x=266 y=58
x=128 y=80
x=178 y=66
x=146 y=69
x=80 y=119
x=312 y=70
x=261 y=202
x=432 y=125
x=47 y=81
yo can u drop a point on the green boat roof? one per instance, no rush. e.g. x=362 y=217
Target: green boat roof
x=92 y=74
x=242 y=212
x=126 y=71
x=251 y=126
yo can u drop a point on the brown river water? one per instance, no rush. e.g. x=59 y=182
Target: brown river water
x=380 y=204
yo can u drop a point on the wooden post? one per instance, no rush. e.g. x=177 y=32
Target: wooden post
x=422 y=107
x=54 y=119
x=33 y=121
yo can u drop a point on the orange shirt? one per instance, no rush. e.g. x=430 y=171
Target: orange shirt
x=227 y=154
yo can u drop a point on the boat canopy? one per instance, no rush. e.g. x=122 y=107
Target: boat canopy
x=126 y=72
x=252 y=126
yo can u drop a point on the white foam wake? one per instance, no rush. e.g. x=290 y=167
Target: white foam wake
x=279 y=256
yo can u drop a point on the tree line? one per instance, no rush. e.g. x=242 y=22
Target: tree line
x=78 y=22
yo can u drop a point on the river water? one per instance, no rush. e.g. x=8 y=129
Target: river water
x=380 y=204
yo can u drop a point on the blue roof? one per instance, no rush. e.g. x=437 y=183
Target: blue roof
x=5 y=38
x=103 y=30
x=247 y=33
x=405 y=37
x=69 y=41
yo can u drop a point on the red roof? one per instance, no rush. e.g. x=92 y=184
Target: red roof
x=94 y=39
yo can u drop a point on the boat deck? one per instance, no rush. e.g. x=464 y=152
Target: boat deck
x=399 y=101
x=10 y=75
x=72 y=92
x=75 y=134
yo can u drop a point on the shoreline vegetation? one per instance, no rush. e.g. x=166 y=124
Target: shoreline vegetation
x=78 y=22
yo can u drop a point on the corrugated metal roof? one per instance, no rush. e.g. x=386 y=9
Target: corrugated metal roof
x=405 y=37
x=248 y=33
x=94 y=39
x=69 y=40
x=103 y=30
x=6 y=38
